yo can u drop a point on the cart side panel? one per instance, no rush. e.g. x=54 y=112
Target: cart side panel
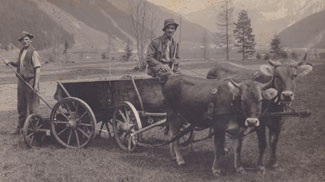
x=104 y=96
x=149 y=89
x=96 y=94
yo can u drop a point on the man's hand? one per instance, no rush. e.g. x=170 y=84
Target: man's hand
x=35 y=88
x=175 y=61
x=165 y=68
x=6 y=62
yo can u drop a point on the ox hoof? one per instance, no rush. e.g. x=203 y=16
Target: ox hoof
x=274 y=165
x=180 y=162
x=261 y=170
x=216 y=172
x=241 y=170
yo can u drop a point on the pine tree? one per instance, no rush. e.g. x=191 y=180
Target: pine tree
x=127 y=51
x=245 y=40
x=224 y=20
x=276 y=49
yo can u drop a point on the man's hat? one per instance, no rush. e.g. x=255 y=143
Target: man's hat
x=169 y=21
x=24 y=34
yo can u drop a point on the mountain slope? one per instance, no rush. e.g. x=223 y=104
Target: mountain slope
x=191 y=34
x=267 y=17
x=307 y=33
x=85 y=23
x=16 y=16
x=84 y=36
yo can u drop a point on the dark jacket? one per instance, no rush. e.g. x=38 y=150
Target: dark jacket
x=155 y=53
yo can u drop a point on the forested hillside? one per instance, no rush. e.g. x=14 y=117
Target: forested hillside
x=307 y=33
x=16 y=16
x=98 y=15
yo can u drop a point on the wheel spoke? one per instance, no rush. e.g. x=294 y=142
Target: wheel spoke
x=122 y=114
x=85 y=124
x=30 y=135
x=60 y=122
x=76 y=105
x=39 y=126
x=119 y=121
x=36 y=124
x=124 y=137
x=77 y=137
x=61 y=131
x=32 y=140
x=67 y=107
x=31 y=124
x=127 y=116
x=69 y=138
x=83 y=132
x=60 y=112
x=83 y=115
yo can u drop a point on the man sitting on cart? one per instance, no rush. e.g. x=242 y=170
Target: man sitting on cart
x=162 y=53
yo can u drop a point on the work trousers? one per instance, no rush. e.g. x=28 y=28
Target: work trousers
x=28 y=101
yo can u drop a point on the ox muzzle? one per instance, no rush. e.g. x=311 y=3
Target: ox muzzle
x=252 y=122
x=251 y=125
x=286 y=97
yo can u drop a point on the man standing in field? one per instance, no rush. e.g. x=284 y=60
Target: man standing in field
x=28 y=66
x=162 y=53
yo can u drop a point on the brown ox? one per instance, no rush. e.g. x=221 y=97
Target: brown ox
x=283 y=79
x=222 y=105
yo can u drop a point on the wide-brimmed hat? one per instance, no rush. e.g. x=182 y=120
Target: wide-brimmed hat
x=169 y=21
x=24 y=34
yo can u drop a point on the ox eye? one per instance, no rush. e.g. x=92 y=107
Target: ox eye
x=295 y=75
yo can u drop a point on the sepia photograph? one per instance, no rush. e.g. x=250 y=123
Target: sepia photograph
x=162 y=90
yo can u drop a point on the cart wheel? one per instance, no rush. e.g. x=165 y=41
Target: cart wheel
x=31 y=131
x=72 y=122
x=125 y=121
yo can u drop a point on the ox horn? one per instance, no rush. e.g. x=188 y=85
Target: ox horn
x=274 y=63
x=237 y=85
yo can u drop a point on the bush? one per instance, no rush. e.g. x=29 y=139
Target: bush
x=104 y=56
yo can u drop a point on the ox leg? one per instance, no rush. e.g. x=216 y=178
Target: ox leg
x=174 y=127
x=219 y=141
x=274 y=137
x=261 y=146
x=237 y=149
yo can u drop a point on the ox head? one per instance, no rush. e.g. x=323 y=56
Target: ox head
x=248 y=96
x=284 y=77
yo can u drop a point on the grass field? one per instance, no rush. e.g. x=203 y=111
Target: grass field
x=300 y=149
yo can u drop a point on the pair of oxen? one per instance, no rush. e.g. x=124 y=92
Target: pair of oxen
x=231 y=101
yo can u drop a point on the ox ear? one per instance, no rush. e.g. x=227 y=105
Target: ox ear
x=233 y=87
x=304 y=69
x=270 y=93
x=267 y=69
